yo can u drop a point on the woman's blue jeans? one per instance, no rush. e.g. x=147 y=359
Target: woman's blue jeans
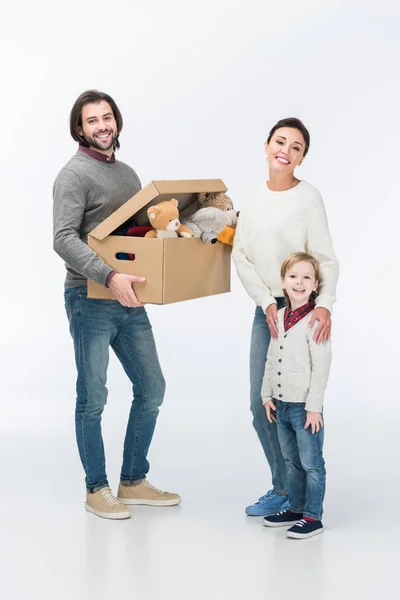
x=267 y=432
x=95 y=325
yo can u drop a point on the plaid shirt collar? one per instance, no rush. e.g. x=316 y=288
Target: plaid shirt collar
x=97 y=155
x=292 y=317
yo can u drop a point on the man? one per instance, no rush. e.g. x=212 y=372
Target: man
x=87 y=190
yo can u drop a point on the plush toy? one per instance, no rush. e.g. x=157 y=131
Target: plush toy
x=216 y=200
x=227 y=235
x=164 y=218
x=208 y=216
x=208 y=222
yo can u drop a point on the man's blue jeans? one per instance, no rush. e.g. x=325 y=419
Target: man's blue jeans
x=266 y=431
x=95 y=325
x=303 y=454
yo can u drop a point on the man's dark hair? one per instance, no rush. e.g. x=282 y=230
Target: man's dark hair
x=75 y=119
x=294 y=124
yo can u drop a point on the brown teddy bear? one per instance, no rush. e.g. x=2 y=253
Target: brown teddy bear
x=216 y=199
x=164 y=218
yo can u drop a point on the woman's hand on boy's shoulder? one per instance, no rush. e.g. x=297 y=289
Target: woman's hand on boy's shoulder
x=314 y=419
x=323 y=331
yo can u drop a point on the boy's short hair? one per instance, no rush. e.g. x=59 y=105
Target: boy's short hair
x=295 y=258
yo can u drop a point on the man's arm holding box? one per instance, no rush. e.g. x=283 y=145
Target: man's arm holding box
x=69 y=204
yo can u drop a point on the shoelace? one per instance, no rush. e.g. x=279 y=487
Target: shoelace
x=269 y=494
x=110 y=498
x=301 y=523
x=152 y=487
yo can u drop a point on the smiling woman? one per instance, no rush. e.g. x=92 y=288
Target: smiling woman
x=282 y=216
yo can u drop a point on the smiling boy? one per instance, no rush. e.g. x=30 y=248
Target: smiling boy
x=296 y=374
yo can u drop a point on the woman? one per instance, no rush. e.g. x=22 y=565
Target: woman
x=284 y=215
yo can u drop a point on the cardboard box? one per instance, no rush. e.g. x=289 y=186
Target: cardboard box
x=176 y=269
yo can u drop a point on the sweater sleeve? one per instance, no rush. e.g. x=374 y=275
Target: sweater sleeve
x=321 y=357
x=319 y=244
x=252 y=282
x=69 y=203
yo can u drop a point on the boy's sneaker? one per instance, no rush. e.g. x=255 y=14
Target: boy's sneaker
x=282 y=519
x=305 y=529
x=145 y=493
x=269 y=504
x=104 y=504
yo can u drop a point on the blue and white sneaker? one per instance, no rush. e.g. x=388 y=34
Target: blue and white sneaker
x=305 y=529
x=269 y=504
x=282 y=519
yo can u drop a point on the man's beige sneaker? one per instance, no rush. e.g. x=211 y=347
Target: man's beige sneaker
x=104 y=504
x=145 y=493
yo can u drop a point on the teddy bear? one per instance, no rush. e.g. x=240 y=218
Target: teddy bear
x=211 y=217
x=164 y=218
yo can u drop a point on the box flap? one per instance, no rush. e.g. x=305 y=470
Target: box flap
x=154 y=192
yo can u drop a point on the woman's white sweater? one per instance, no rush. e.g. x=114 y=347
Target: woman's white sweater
x=271 y=226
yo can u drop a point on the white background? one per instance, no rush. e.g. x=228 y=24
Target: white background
x=199 y=86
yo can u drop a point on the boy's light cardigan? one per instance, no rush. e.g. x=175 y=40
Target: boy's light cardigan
x=297 y=368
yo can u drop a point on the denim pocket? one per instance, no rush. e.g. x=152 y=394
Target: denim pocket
x=67 y=304
x=70 y=301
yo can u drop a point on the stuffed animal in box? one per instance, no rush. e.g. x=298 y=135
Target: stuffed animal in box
x=207 y=223
x=209 y=215
x=227 y=235
x=216 y=200
x=164 y=218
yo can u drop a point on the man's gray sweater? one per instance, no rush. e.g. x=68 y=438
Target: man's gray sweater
x=85 y=192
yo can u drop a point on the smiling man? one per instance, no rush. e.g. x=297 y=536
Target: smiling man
x=91 y=186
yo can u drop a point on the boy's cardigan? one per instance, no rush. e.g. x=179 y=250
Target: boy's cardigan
x=297 y=368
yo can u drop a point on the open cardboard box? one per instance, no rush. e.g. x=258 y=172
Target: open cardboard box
x=175 y=269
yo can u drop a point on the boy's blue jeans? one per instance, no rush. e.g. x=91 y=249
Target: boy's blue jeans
x=95 y=325
x=267 y=432
x=303 y=455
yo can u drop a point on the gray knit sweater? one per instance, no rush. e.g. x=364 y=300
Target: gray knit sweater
x=85 y=192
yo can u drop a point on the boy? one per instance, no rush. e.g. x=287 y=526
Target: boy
x=296 y=374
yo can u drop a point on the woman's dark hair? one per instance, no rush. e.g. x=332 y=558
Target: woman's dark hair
x=294 y=124
x=92 y=97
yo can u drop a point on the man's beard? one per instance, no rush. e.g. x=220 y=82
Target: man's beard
x=93 y=142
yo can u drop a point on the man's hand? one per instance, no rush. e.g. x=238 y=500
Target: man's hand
x=121 y=288
x=315 y=420
x=272 y=320
x=323 y=331
x=270 y=409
